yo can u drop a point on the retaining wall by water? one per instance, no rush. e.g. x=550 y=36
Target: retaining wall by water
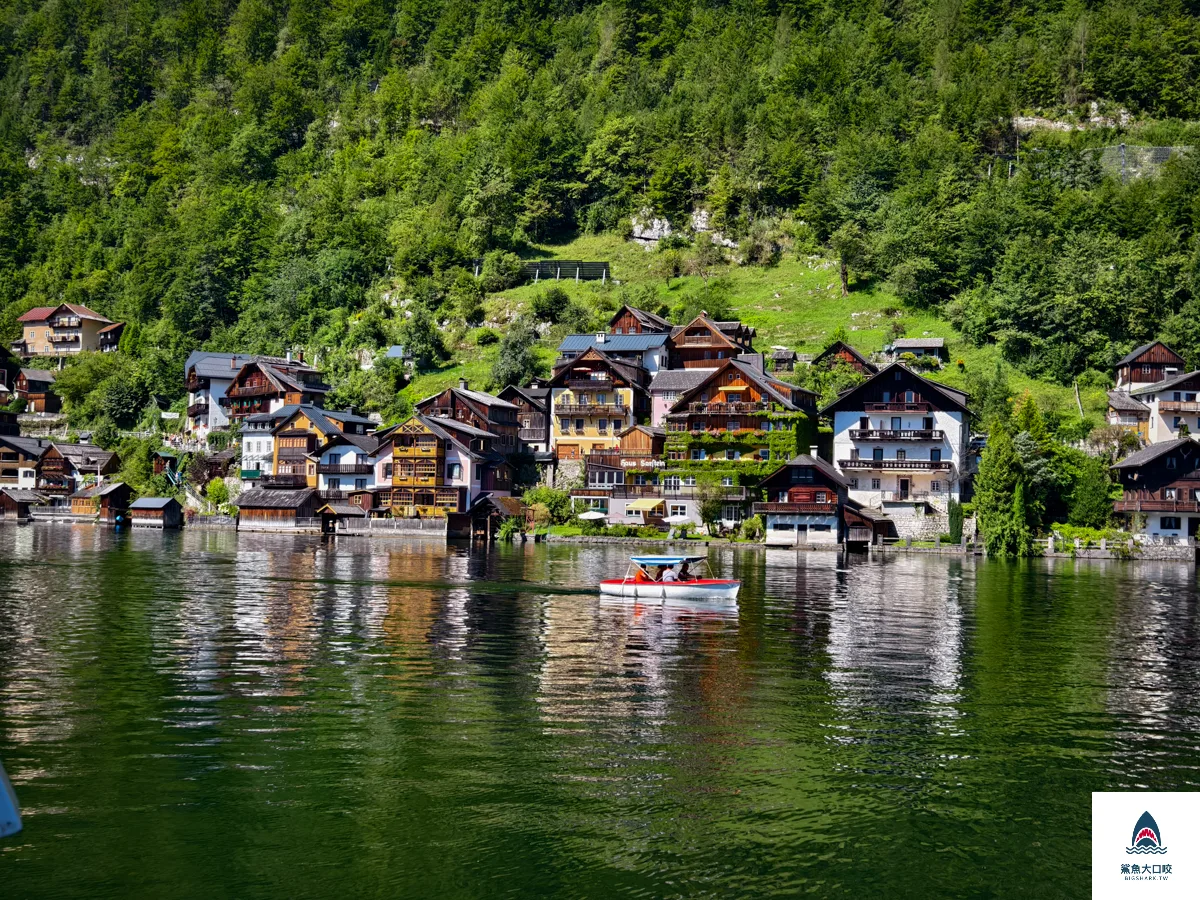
x=393 y=527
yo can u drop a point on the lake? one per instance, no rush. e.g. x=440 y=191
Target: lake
x=209 y=714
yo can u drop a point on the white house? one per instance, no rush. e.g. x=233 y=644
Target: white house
x=1172 y=403
x=208 y=376
x=900 y=438
x=650 y=351
x=258 y=444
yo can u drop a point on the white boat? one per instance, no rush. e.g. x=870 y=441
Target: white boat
x=639 y=582
x=10 y=816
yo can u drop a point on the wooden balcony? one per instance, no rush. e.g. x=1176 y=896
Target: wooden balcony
x=896 y=407
x=532 y=435
x=819 y=509
x=411 y=481
x=253 y=390
x=196 y=410
x=286 y=480
x=413 y=451
x=345 y=468
x=1170 y=506
x=65 y=338
x=1178 y=406
x=620 y=491
x=696 y=340
x=591 y=409
x=891 y=434
x=195 y=385
x=590 y=384
x=902 y=465
x=726 y=409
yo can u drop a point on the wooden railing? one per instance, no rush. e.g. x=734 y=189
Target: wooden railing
x=590 y=384
x=892 y=434
x=197 y=409
x=723 y=409
x=896 y=406
x=1178 y=406
x=344 y=469
x=827 y=509
x=917 y=465
x=1137 y=506
x=591 y=409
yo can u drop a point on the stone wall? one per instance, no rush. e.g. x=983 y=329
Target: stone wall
x=926 y=528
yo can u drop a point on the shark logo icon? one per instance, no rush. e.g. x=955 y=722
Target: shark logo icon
x=1147 y=838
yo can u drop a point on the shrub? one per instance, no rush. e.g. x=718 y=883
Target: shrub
x=502 y=270
x=753 y=529
x=556 y=502
x=947 y=538
x=510 y=528
x=591 y=527
x=485 y=337
x=550 y=305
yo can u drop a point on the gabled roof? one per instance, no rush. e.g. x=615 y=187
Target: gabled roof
x=44 y=375
x=953 y=396
x=1164 y=385
x=84 y=454
x=113 y=327
x=538 y=396
x=1138 y=351
x=779 y=391
x=322 y=419
x=679 y=379
x=273 y=498
x=647 y=319
x=922 y=343
x=477 y=396
x=837 y=346
x=23 y=495
x=367 y=443
x=343 y=509
x=805 y=460
x=652 y=430
x=714 y=327
x=41 y=313
x=627 y=371
x=28 y=446
x=1154 y=451
x=505 y=506
x=99 y=490
x=735 y=327
x=1122 y=402
x=215 y=365
x=153 y=503
x=460 y=437
x=613 y=343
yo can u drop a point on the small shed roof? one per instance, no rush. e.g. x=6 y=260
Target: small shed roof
x=273 y=498
x=153 y=503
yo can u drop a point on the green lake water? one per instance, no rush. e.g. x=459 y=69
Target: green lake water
x=208 y=715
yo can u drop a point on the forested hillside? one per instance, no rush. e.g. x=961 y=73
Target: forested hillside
x=261 y=175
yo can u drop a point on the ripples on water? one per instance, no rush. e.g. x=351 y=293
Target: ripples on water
x=258 y=716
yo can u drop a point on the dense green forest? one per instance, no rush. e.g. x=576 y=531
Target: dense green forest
x=260 y=175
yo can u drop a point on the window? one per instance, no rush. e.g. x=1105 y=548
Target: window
x=727 y=481
x=335 y=484
x=897 y=374
x=601 y=399
x=1178 y=396
x=1169 y=523
x=874 y=484
x=822 y=497
x=454 y=470
x=616 y=331
x=733 y=454
x=854 y=453
x=670 y=396
x=1169 y=494
x=678 y=509
x=579 y=425
x=783 y=526
x=887 y=396
x=735 y=397
x=698 y=454
x=689 y=481
x=733 y=425
x=877 y=454
x=616 y=425
x=1175 y=423
x=564 y=425
x=360 y=484
x=935 y=455
x=935 y=486
x=819 y=528
x=1171 y=462
x=764 y=454
x=927 y=423
x=896 y=423
x=671 y=482
x=675 y=454
x=731 y=512
x=901 y=454
x=909 y=397
x=602 y=426
x=854 y=484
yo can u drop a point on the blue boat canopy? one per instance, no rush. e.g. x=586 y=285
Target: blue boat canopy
x=665 y=560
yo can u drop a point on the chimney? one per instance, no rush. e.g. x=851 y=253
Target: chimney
x=812 y=451
x=233 y=362
x=300 y=356
x=600 y=336
x=289 y=356
x=462 y=384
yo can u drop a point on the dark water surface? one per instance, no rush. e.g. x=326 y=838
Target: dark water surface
x=214 y=715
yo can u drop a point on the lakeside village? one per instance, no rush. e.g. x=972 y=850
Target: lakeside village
x=642 y=429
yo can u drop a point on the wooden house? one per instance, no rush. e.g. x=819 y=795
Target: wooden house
x=533 y=416
x=804 y=502
x=36 y=388
x=737 y=397
x=277 y=509
x=624 y=481
x=1148 y=364
x=841 y=352
x=16 y=502
x=705 y=344
x=783 y=359
x=9 y=426
x=156 y=512
x=263 y=385
x=1129 y=413
x=19 y=460
x=441 y=466
x=477 y=409
x=66 y=468
x=1160 y=489
x=165 y=462
x=104 y=500
x=593 y=398
x=302 y=433
x=629 y=320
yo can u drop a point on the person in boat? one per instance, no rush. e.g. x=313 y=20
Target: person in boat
x=641 y=576
x=669 y=575
x=684 y=574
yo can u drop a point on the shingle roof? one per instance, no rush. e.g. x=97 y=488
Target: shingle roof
x=1122 y=402
x=38 y=375
x=645 y=318
x=918 y=343
x=113 y=327
x=1138 y=351
x=41 y=313
x=37 y=314
x=460 y=426
x=21 y=495
x=153 y=503
x=842 y=345
x=84 y=454
x=1154 y=451
x=99 y=490
x=954 y=395
x=344 y=509
x=805 y=459
x=215 y=365
x=273 y=498
x=679 y=379
x=28 y=446
x=537 y=396
x=613 y=343
x=1165 y=384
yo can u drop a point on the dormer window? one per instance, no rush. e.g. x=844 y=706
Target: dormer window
x=1171 y=462
x=897 y=374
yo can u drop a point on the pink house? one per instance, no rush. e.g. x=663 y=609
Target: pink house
x=668 y=386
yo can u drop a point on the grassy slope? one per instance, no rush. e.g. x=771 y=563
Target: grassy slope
x=796 y=304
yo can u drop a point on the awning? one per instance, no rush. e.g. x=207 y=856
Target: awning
x=643 y=505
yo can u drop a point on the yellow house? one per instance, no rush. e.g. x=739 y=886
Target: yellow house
x=65 y=330
x=593 y=398
x=300 y=434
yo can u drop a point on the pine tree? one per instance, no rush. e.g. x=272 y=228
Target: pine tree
x=956 y=521
x=995 y=495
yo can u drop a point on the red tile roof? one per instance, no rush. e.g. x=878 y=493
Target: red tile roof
x=37 y=314
x=41 y=313
x=111 y=327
